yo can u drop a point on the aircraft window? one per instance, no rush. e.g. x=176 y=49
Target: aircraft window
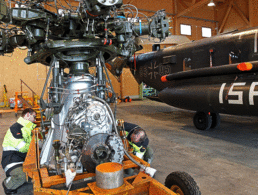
x=185 y=29
x=206 y=32
x=187 y=64
x=155 y=47
x=169 y=59
x=234 y=57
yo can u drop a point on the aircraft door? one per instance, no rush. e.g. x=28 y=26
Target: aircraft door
x=200 y=58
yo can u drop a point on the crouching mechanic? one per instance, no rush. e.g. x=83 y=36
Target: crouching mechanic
x=139 y=141
x=15 y=147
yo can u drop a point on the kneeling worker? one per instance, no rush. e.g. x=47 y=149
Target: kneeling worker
x=15 y=147
x=139 y=141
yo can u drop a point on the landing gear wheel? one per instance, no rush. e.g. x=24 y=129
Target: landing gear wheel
x=182 y=183
x=202 y=121
x=215 y=120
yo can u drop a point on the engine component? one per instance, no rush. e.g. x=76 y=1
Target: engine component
x=102 y=148
x=83 y=38
x=92 y=116
x=109 y=175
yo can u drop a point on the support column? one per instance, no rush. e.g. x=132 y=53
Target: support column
x=175 y=18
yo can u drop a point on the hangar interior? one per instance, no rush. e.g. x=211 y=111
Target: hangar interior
x=225 y=17
x=222 y=161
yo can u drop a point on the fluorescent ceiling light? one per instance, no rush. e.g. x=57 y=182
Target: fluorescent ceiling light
x=211 y=3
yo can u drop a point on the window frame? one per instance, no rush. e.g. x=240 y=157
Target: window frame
x=204 y=27
x=186 y=25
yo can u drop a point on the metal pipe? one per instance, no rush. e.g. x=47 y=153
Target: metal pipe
x=109 y=81
x=26 y=86
x=48 y=75
x=189 y=17
x=37 y=146
x=255 y=42
x=42 y=94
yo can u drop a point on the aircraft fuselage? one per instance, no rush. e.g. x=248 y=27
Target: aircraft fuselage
x=198 y=81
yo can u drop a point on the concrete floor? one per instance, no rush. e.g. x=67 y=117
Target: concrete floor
x=222 y=161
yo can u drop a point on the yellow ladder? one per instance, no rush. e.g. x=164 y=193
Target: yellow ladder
x=5 y=98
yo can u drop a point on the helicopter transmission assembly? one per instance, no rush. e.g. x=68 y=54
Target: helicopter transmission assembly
x=82 y=37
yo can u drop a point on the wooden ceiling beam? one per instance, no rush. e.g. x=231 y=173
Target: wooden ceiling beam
x=191 y=8
x=241 y=14
x=175 y=18
x=225 y=17
x=175 y=7
x=183 y=4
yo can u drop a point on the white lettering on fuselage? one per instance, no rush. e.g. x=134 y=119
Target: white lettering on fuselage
x=221 y=93
x=252 y=93
x=239 y=93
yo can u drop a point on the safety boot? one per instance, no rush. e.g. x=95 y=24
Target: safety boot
x=8 y=191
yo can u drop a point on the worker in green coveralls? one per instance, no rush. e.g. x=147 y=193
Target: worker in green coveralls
x=15 y=147
x=139 y=141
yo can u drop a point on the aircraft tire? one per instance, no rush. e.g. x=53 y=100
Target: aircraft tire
x=182 y=183
x=215 y=120
x=202 y=121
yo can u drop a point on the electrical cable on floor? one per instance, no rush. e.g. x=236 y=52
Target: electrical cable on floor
x=70 y=185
